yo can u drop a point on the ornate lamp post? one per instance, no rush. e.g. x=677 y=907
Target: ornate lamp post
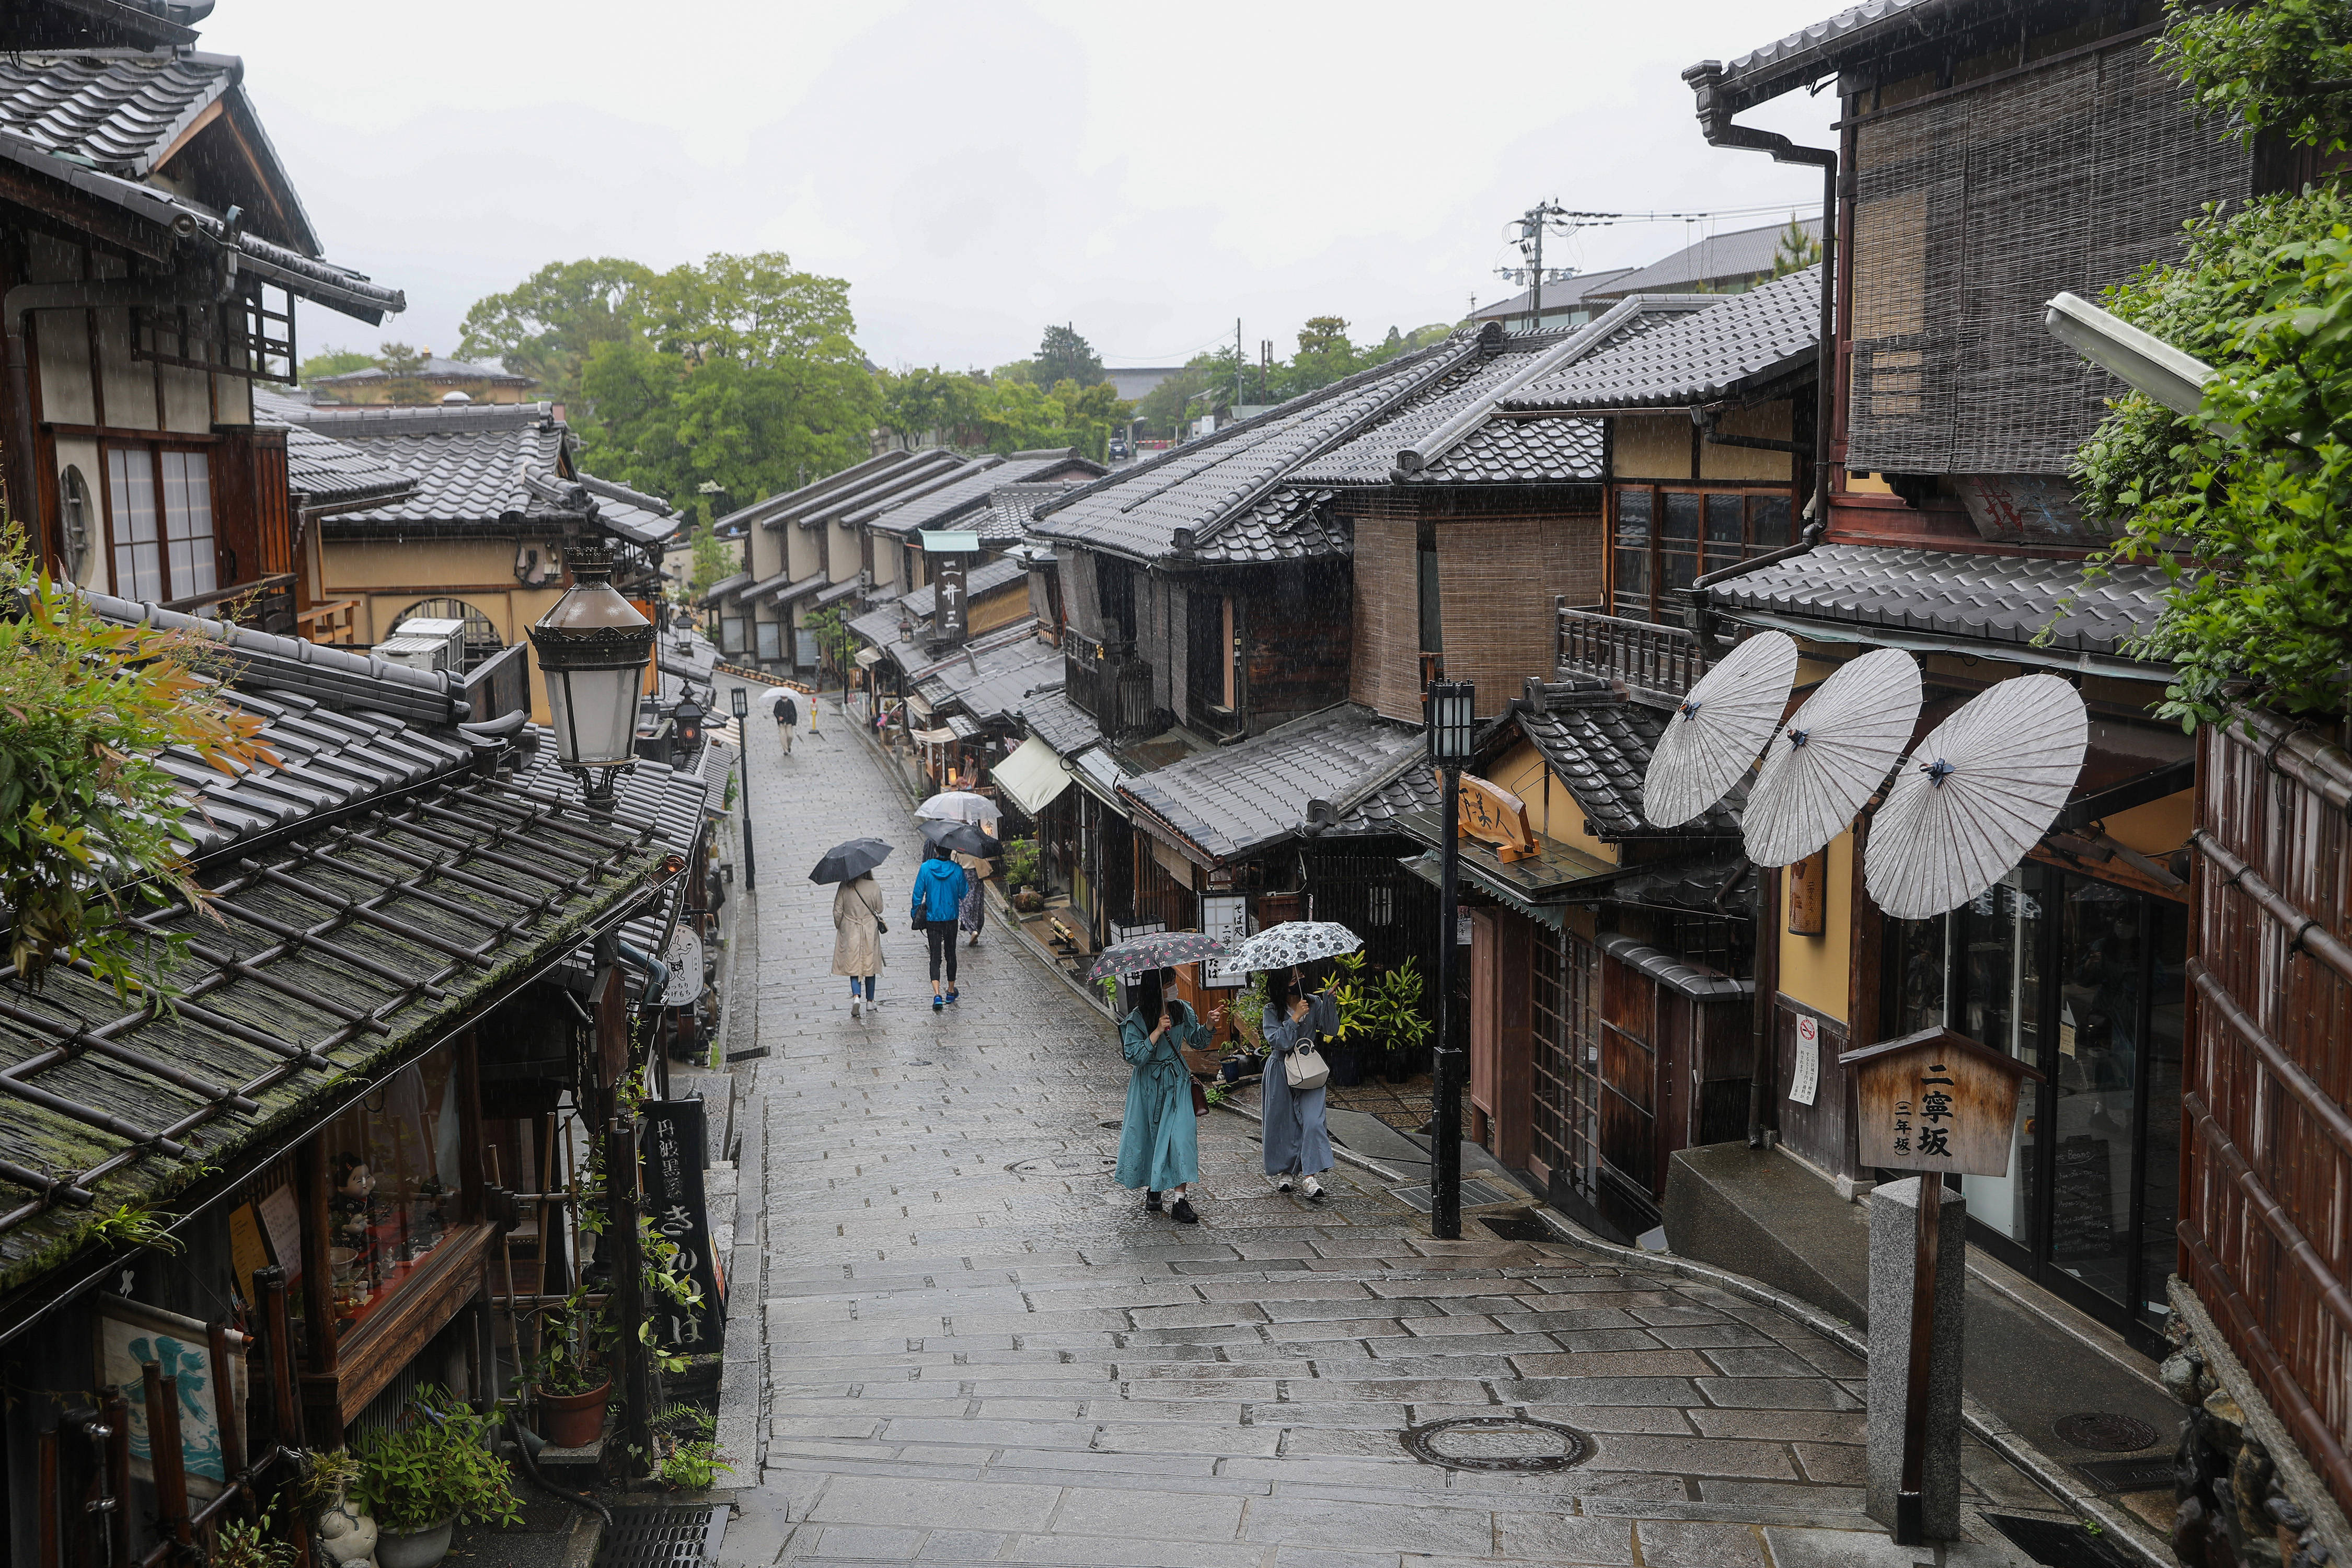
x=739 y=702
x=1449 y=710
x=593 y=647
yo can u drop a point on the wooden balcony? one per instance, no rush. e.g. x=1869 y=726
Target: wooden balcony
x=1110 y=683
x=1656 y=664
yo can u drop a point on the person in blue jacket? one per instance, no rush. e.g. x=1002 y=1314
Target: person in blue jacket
x=938 y=896
x=1159 y=1136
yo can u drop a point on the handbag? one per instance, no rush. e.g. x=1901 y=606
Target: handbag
x=1305 y=1068
x=1200 y=1100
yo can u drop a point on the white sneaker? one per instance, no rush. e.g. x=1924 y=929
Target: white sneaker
x=857 y=1008
x=1281 y=1183
x=1313 y=1189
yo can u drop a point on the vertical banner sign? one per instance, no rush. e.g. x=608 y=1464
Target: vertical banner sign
x=1227 y=920
x=672 y=1145
x=1809 y=895
x=1805 y=1079
x=952 y=615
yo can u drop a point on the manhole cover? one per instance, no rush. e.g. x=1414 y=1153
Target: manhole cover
x=1063 y=1165
x=2152 y=1475
x=1515 y=1445
x=2105 y=1434
x=662 y=1537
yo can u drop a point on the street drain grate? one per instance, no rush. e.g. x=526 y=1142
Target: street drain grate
x=2104 y=1433
x=2056 y=1543
x=662 y=1537
x=1507 y=1445
x=1064 y=1166
x=1517 y=1228
x=1475 y=1192
x=2129 y=1475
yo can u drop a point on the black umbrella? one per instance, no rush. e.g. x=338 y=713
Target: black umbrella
x=847 y=862
x=963 y=836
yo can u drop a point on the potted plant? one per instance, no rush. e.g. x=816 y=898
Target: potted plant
x=432 y=1468
x=346 y=1532
x=1394 y=1013
x=570 y=1372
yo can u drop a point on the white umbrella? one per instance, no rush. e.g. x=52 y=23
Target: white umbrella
x=1714 y=735
x=959 y=806
x=1830 y=755
x=1292 y=941
x=1976 y=795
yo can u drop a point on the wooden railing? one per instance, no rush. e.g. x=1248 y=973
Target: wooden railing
x=264 y=604
x=1108 y=683
x=1656 y=663
x=329 y=623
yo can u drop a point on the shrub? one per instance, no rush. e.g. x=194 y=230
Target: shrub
x=435 y=1464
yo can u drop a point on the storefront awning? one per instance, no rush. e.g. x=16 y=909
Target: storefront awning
x=942 y=736
x=1033 y=776
x=867 y=658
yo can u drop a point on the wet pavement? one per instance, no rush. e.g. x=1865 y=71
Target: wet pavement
x=977 y=1348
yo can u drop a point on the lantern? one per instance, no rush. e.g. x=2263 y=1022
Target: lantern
x=1448 y=711
x=593 y=647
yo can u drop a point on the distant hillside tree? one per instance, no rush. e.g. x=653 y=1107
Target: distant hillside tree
x=1063 y=355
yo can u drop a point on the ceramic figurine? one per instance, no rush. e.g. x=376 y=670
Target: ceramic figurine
x=348 y=1535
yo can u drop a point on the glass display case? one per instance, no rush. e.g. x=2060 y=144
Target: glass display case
x=394 y=1186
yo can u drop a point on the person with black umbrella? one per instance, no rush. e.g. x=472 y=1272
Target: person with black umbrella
x=857 y=924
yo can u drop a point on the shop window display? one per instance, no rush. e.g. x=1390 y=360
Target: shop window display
x=392 y=1174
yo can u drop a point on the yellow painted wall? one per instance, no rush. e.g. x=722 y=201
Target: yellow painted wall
x=387 y=576
x=2157 y=829
x=1814 y=970
x=1651 y=447
x=1001 y=608
x=1772 y=421
x=1552 y=811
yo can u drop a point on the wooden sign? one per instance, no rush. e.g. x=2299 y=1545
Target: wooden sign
x=1493 y=815
x=951 y=617
x=673 y=1147
x=1809 y=895
x=1936 y=1102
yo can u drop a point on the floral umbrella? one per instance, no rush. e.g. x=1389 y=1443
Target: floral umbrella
x=1156 y=950
x=1292 y=941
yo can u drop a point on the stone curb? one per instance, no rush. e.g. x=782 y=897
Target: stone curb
x=2115 y=1524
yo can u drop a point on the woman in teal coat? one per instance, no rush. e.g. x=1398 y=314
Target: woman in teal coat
x=1159 y=1138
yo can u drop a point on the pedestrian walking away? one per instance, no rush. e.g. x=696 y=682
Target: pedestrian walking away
x=972 y=913
x=788 y=719
x=938 y=896
x=858 y=927
x=1160 y=1135
x=1297 y=1137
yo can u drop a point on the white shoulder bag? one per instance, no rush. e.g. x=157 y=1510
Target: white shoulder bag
x=1304 y=1068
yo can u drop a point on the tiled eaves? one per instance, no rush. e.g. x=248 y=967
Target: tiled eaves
x=1735 y=341
x=1230 y=803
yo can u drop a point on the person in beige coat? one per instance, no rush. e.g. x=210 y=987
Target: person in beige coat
x=858 y=931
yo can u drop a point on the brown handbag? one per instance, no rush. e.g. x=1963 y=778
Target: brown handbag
x=1200 y=1100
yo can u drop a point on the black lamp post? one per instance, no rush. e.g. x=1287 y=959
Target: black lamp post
x=1450 y=710
x=739 y=702
x=592 y=648
x=688 y=714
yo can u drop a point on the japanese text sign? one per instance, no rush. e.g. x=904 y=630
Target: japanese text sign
x=1493 y=815
x=1936 y=1102
x=671 y=1147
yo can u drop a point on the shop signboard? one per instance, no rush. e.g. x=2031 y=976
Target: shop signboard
x=672 y=1143
x=1226 y=918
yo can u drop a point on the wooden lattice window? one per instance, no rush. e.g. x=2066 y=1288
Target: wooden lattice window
x=1565 y=979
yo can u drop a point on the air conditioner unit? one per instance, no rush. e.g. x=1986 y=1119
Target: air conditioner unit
x=448 y=629
x=418 y=653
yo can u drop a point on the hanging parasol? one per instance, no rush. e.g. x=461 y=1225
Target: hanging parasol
x=1154 y=949
x=1976 y=795
x=1719 y=728
x=959 y=806
x=847 y=862
x=1829 y=758
x=1292 y=941
x=962 y=837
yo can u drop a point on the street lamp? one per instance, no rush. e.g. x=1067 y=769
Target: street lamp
x=1450 y=712
x=593 y=647
x=739 y=702
x=688 y=714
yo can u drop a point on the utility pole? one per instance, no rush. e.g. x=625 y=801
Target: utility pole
x=1532 y=225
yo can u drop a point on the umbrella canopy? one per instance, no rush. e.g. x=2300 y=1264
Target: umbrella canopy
x=961 y=836
x=1826 y=760
x=1155 y=950
x=1292 y=941
x=1976 y=795
x=959 y=806
x=1719 y=728
x=847 y=862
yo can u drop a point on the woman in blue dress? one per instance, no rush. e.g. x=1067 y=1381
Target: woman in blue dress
x=1160 y=1138
x=1297 y=1141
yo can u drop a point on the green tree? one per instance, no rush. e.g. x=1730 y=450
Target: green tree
x=546 y=325
x=1177 y=401
x=715 y=559
x=1064 y=355
x=1795 y=250
x=333 y=362
x=2283 y=65
x=915 y=403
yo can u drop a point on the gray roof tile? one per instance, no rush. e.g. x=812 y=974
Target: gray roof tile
x=1809 y=53
x=1011 y=509
x=1600 y=747
x=119 y=109
x=1230 y=802
x=322 y=471
x=992 y=678
x=958 y=504
x=1061 y=723
x=1989 y=598
x=1742 y=254
x=1703 y=356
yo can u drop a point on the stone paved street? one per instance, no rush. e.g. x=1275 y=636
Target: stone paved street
x=980 y=1350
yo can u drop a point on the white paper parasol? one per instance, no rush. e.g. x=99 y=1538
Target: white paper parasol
x=1292 y=941
x=959 y=806
x=1719 y=728
x=1976 y=795
x=1830 y=755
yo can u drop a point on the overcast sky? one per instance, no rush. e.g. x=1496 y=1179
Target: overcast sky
x=977 y=168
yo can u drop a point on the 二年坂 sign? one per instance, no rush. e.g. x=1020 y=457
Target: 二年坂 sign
x=1936 y=1102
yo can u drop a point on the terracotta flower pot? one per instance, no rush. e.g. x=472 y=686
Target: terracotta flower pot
x=574 y=1420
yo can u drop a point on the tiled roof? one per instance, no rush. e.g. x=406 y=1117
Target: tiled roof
x=1011 y=510
x=1958 y=595
x=792 y=501
x=925 y=472
x=1709 y=355
x=1599 y=747
x=474 y=465
x=991 y=679
x=1232 y=801
x=791 y=593
x=1809 y=53
x=726 y=588
x=632 y=514
x=1372 y=804
x=1061 y=723
x=1741 y=254
x=954 y=505
x=1566 y=293
x=1719 y=886
x=118 y=109
x=323 y=472
x=1521 y=451
x=434 y=368
x=1152 y=509
x=1447 y=411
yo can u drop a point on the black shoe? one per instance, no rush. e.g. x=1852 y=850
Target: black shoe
x=1152 y=1202
x=1183 y=1213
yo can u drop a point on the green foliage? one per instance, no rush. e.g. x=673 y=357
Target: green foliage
x=1063 y=355
x=2282 y=65
x=2243 y=506
x=88 y=816
x=831 y=629
x=246 y=1543
x=715 y=559
x=399 y=359
x=436 y=1463
x=333 y=362
x=1002 y=413
x=327 y=1473
x=1392 y=1009
x=575 y=1344
x=546 y=325
x=688 y=1460
x=1020 y=860
x=132 y=1225
x=1324 y=355
x=1349 y=991
x=1215 y=1094
x=1795 y=250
